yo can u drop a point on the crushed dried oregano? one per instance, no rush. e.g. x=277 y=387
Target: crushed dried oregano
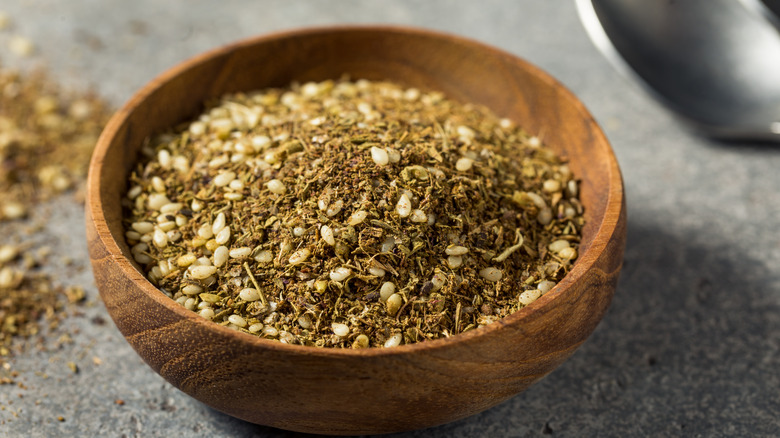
x=351 y=214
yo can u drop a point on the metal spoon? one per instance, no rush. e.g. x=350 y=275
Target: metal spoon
x=769 y=9
x=715 y=63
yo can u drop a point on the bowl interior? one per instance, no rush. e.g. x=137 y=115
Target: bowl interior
x=464 y=71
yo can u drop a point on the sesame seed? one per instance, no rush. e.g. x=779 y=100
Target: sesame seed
x=568 y=253
x=545 y=286
x=142 y=258
x=465 y=132
x=387 y=289
x=191 y=303
x=394 y=340
x=14 y=210
x=456 y=250
x=264 y=256
x=404 y=206
x=357 y=217
x=158 y=184
x=21 y=46
x=202 y=272
x=165 y=267
x=143 y=227
x=223 y=236
x=205 y=231
x=157 y=200
x=240 y=253
x=8 y=253
x=393 y=155
x=327 y=235
x=237 y=320
x=220 y=256
x=270 y=331
x=159 y=238
x=197 y=128
x=196 y=205
x=361 y=341
x=171 y=207
x=412 y=94
x=491 y=274
x=286 y=337
x=334 y=208
x=219 y=223
x=224 y=178
x=310 y=89
x=419 y=216
x=454 y=262
x=571 y=186
x=438 y=280
x=299 y=256
x=529 y=296
x=376 y=271
x=545 y=216
x=340 y=329
x=276 y=186
x=464 y=164
x=304 y=321
x=191 y=289
x=166 y=226
x=260 y=142
x=551 y=186
x=340 y=274
x=380 y=156
x=394 y=303
x=249 y=294
x=164 y=158
x=134 y=192
x=537 y=200
x=558 y=245
x=388 y=244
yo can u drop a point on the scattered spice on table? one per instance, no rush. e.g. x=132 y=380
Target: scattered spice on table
x=352 y=214
x=46 y=138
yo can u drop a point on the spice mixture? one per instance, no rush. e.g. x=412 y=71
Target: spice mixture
x=46 y=139
x=352 y=214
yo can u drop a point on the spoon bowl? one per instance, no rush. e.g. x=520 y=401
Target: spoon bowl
x=715 y=63
x=376 y=390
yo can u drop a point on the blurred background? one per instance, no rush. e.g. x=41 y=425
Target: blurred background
x=690 y=346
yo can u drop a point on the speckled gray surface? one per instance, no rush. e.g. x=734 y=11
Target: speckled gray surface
x=688 y=348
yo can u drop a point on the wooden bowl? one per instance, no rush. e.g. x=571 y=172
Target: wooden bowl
x=343 y=391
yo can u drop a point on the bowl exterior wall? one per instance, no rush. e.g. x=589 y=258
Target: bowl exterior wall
x=372 y=391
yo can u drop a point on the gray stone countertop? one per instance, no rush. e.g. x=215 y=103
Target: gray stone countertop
x=689 y=346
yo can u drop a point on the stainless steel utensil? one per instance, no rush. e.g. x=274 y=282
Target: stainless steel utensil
x=716 y=63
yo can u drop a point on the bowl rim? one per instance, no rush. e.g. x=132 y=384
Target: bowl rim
x=609 y=225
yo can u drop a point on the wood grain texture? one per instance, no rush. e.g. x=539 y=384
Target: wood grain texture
x=376 y=390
